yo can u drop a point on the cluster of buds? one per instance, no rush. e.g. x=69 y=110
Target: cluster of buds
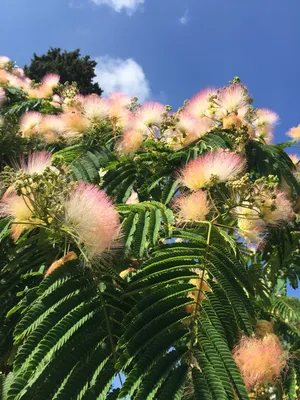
x=67 y=91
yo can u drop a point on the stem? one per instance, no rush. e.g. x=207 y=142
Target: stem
x=224 y=226
x=213 y=203
x=109 y=333
x=204 y=268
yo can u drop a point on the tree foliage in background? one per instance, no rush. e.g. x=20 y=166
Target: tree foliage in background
x=69 y=65
x=173 y=289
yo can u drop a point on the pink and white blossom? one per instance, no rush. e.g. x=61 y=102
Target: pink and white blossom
x=260 y=360
x=36 y=162
x=121 y=98
x=90 y=215
x=294 y=133
x=199 y=105
x=30 y=123
x=192 y=207
x=231 y=99
x=220 y=165
x=131 y=141
x=15 y=207
x=151 y=113
x=96 y=108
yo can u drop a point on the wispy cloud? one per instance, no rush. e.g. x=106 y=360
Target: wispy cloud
x=129 y=6
x=116 y=74
x=75 y=4
x=184 y=19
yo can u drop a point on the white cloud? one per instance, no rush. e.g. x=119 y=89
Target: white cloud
x=184 y=19
x=116 y=74
x=130 y=6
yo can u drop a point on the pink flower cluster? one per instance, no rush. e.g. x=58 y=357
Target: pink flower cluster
x=88 y=214
x=219 y=165
x=260 y=360
x=209 y=109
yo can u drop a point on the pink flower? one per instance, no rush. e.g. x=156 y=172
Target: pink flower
x=294 y=133
x=16 y=81
x=37 y=162
x=75 y=124
x=50 y=80
x=193 y=207
x=2 y=96
x=30 y=123
x=275 y=210
x=199 y=105
x=260 y=360
x=265 y=121
x=18 y=72
x=120 y=98
x=220 y=165
x=96 y=108
x=51 y=127
x=131 y=141
x=16 y=208
x=4 y=61
x=119 y=115
x=190 y=125
x=91 y=217
x=151 y=113
x=250 y=226
x=231 y=99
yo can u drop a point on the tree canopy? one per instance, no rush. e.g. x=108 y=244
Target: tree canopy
x=69 y=65
x=146 y=246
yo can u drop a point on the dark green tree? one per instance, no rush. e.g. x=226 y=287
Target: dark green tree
x=69 y=65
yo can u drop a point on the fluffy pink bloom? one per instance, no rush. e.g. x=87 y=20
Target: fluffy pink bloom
x=2 y=96
x=75 y=124
x=4 y=61
x=14 y=80
x=250 y=226
x=120 y=98
x=16 y=208
x=96 y=108
x=50 y=80
x=265 y=117
x=151 y=113
x=265 y=121
x=37 y=162
x=220 y=165
x=30 y=122
x=294 y=133
x=119 y=115
x=198 y=105
x=260 y=360
x=18 y=72
x=275 y=210
x=51 y=127
x=91 y=217
x=242 y=112
x=231 y=99
x=193 y=207
x=131 y=141
x=194 y=126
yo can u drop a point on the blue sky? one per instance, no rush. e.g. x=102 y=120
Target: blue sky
x=168 y=50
